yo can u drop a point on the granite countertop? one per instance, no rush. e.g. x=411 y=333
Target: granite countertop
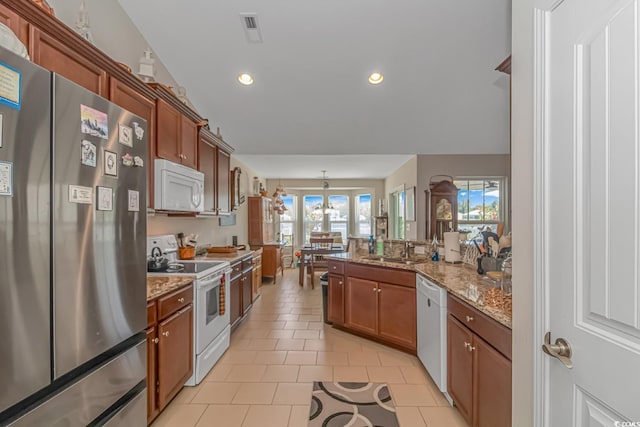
x=160 y=285
x=456 y=278
x=231 y=257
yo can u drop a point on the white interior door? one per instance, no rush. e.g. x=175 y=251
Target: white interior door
x=592 y=223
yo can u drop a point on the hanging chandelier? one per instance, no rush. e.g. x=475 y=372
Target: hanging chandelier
x=278 y=203
x=325 y=207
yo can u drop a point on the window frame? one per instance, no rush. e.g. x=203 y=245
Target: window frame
x=356 y=220
x=293 y=211
x=502 y=202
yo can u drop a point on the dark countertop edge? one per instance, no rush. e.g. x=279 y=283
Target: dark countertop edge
x=494 y=314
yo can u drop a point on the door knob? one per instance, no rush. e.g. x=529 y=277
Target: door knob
x=561 y=350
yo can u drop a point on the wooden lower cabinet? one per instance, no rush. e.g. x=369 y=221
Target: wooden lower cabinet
x=478 y=375
x=361 y=305
x=235 y=299
x=460 y=367
x=241 y=288
x=271 y=260
x=169 y=348
x=175 y=365
x=376 y=301
x=335 y=303
x=492 y=386
x=256 y=281
x=152 y=342
x=397 y=314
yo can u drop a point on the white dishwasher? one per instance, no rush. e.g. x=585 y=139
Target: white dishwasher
x=432 y=331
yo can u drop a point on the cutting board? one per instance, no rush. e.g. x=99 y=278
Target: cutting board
x=222 y=249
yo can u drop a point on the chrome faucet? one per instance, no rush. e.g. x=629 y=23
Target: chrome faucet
x=406 y=251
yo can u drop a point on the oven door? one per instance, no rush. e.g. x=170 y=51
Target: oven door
x=209 y=320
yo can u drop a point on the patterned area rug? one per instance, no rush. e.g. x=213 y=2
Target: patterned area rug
x=351 y=404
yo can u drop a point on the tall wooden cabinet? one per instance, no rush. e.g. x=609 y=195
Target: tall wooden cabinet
x=261 y=235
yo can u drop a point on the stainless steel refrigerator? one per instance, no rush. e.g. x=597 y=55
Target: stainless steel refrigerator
x=73 y=261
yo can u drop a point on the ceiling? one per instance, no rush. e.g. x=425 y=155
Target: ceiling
x=311 y=97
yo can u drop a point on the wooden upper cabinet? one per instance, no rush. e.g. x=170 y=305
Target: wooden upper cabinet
x=168 y=135
x=56 y=56
x=19 y=26
x=207 y=165
x=224 y=187
x=131 y=100
x=189 y=143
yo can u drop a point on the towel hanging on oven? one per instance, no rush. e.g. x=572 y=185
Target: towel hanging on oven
x=222 y=298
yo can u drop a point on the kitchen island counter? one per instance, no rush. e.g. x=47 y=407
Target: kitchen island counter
x=158 y=285
x=456 y=278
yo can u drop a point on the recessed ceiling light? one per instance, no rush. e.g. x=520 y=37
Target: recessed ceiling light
x=376 y=78
x=245 y=79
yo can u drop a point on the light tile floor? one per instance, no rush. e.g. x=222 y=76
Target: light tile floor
x=265 y=377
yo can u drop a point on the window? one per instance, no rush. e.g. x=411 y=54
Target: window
x=338 y=215
x=480 y=203
x=288 y=218
x=312 y=215
x=363 y=215
x=397 y=213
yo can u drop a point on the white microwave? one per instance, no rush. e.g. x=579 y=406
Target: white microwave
x=177 y=187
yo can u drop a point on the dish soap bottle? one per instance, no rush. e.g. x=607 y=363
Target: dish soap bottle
x=371 y=244
x=379 y=246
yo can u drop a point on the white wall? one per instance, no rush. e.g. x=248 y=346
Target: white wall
x=407 y=177
x=455 y=166
x=522 y=211
x=208 y=228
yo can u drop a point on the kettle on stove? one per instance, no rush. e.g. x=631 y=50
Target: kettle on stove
x=157 y=261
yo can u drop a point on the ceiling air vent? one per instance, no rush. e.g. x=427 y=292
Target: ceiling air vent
x=251 y=27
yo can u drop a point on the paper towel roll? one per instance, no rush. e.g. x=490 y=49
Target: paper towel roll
x=452 y=246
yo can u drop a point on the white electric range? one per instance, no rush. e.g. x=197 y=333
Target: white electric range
x=211 y=319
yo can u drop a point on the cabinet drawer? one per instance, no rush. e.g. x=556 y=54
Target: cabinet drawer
x=152 y=317
x=174 y=301
x=382 y=274
x=336 y=267
x=236 y=269
x=497 y=335
x=247 y=263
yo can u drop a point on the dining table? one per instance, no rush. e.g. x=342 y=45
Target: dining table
x=306 y=252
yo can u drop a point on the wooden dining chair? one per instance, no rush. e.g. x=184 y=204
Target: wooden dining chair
x=318 y=261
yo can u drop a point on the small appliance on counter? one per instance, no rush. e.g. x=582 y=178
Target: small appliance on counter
x=211 y=296
x=452 y=247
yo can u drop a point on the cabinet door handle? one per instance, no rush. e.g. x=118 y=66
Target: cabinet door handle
x=471 y=348
x=156 y=340
x=340 y=282
x=165 y=334
x=180 y=299
x=374 y=289
x=469 y=318
x=334 y=267
x=379 y=290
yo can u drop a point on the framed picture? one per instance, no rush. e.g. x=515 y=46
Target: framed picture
x=105 y=198
x=410 y=204
x=125 y=135
x=110 y=160
x=89 y=154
